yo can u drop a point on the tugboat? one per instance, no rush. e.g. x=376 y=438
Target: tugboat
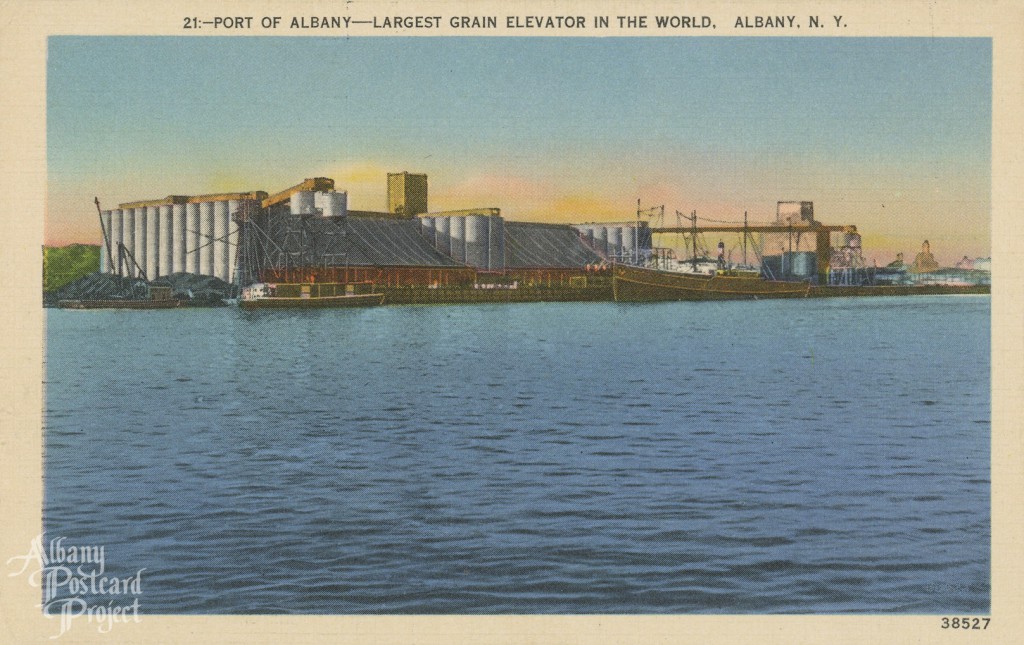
x=309 y=295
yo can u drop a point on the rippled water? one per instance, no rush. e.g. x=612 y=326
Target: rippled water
x=744 y=457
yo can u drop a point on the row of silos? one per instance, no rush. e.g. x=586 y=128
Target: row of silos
x=619 y=242
x=189 y=237
x=476 y=240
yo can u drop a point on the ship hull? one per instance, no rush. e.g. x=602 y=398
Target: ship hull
x=635 y=284
x=117 y=304
x=325 y=302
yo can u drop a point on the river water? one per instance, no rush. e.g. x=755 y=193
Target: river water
x=811 y=456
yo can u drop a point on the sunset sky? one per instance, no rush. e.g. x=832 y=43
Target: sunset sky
x=893 y=135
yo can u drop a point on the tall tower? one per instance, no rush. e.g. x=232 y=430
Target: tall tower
x=407 y=193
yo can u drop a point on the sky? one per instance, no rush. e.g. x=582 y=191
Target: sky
x=892 y=135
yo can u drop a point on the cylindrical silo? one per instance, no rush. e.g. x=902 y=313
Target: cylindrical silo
x=152 y=242
x=496 y=244
x=629 y=243
x=128 y=237
x=178 y=238
x=443 y=239
x=192 y=239
x=105 y=242
x=614 y=241
x=165 y=263
x=116 y=235
x=233 y=206
x=221 y=269
x=140 y=238
x=588 y=235
x=601 y=240
x=335 y=204
x=477 y=240
x=427 y=228
x=303 y=202
x=206 y=238
x=457 y=231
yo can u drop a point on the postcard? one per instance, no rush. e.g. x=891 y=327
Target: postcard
x=548 y=322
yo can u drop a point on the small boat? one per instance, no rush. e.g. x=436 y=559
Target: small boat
x=641 y=284
x=309 y=295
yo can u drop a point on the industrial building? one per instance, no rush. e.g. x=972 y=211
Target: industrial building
x=308 y=232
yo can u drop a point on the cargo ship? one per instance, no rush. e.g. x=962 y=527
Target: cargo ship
x=309 y=295
x=643 y=284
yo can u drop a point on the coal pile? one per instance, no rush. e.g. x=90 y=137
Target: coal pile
x=193 y=290
x=99 y=286
x=197 y=290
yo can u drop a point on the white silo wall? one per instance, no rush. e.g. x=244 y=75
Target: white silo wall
x=427 y=228
x=105 y=242
x=165 y=263
x=496 y=244
x=192 y=240
x=116 y=235
x=140 y=238
x=128 y=237
x=614 y=241
x=152 y=242
x=457 y=231
x=443 y=239
x=233 y=206
x=303 y=203
x=629 y=242
x=476 y=240
x=601 y=239
x=178 y=238
x=335 y=204
x=220 y=241
x=206 y=238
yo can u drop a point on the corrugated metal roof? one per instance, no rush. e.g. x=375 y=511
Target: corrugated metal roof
x=530 y=245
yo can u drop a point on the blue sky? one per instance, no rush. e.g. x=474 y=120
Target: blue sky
x=893 y=135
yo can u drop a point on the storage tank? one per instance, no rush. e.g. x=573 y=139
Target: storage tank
x=614 y=241
x=442 y=234
x=165 y=263
x=140 y=238
x=233 y=206
x=803 y=264
x=128 y=237
x=192 y=238
x=178 y=237
x=852 y=240
x=105 y=241
x=303 y=203
x=334 y=204
x=629 y=243
x=477 y=240
x=601 y=240
x=152 y=242
x=427 y=228
x=116 y=235
x=496 y=244
x=221 y=268
x=104 y=265
x=205 y=236
x=458 y=235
